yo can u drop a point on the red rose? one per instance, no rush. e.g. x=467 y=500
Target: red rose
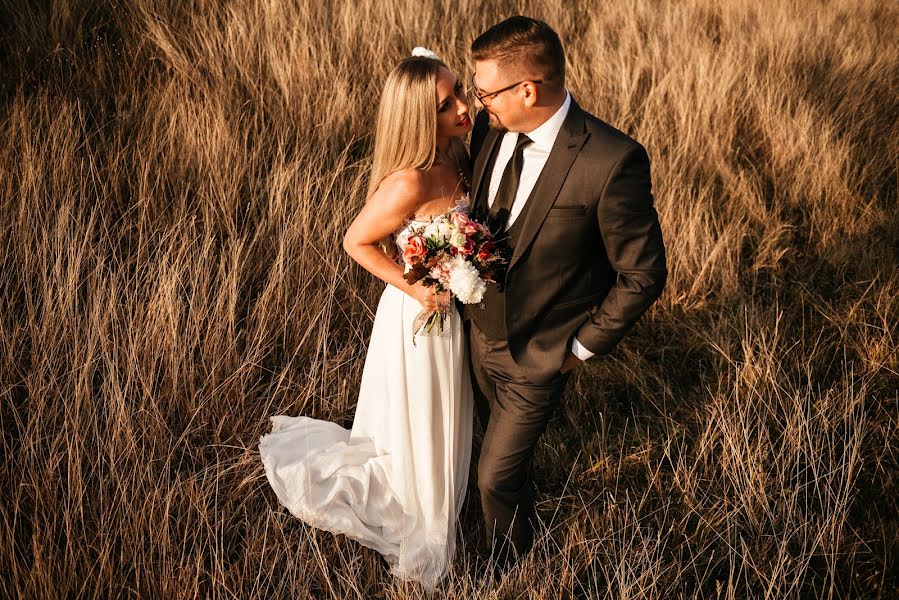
x=486 y=251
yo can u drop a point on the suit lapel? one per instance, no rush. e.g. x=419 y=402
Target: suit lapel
x=568 y=143
x=479 y=176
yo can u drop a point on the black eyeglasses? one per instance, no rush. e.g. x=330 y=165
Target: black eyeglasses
x=482 y=97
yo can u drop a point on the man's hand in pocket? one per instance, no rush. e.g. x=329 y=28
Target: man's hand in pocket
x=571 y=361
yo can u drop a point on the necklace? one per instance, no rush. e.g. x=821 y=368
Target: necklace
x=461 y=173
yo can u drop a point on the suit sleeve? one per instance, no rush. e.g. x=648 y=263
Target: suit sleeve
x=632 y=237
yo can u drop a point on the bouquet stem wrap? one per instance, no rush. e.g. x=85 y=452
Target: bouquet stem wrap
x=430 y=323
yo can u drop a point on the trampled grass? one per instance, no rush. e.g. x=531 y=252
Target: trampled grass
x=175 y=181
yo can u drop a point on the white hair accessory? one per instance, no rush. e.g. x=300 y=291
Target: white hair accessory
x=419 y=51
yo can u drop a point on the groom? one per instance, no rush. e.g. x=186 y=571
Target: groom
x=572 y=195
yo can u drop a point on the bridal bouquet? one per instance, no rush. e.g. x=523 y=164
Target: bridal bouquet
x=455 y=253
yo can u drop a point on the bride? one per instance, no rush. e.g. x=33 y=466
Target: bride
x=395 y=482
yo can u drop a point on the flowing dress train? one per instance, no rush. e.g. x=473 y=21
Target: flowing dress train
x=396 y=480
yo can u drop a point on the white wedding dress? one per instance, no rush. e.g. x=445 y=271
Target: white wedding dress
x=395 y=482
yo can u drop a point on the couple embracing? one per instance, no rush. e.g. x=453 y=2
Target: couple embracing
x=571 y=196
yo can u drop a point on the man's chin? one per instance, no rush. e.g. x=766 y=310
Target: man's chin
x=496 y=125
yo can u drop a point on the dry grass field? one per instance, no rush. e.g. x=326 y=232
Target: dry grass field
x=175 y=181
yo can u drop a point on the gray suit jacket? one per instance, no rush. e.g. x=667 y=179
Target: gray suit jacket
x=590 y=258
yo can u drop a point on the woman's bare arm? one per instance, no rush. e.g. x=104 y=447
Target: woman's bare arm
x=395 y=200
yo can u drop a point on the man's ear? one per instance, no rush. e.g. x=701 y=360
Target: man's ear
x=530 y=94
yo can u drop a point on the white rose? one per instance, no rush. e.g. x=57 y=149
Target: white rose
x=439 y=230
x=458 y=240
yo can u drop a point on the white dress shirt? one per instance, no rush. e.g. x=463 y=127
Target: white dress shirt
x=534 y=157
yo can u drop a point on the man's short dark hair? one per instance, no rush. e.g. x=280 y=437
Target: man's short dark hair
x=531 y=46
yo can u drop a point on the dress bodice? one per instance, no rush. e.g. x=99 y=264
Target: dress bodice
x=401 y=235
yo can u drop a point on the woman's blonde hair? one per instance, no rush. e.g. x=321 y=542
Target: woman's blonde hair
x=406 y=130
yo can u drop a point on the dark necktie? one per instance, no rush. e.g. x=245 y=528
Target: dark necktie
x=508 y=186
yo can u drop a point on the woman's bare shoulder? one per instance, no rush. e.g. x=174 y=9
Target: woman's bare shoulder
x=405 y=180
x=402 y=190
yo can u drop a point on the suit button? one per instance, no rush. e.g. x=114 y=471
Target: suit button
x=481 y=306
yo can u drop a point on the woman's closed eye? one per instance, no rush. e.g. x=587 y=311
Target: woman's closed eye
x=457 y=91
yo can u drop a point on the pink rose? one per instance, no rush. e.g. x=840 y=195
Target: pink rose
x=465 y=225
x=414 y=251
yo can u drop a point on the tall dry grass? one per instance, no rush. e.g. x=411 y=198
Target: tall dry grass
x=175 y=179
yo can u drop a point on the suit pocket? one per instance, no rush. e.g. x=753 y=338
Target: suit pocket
x=583 y=302
x=567 y=211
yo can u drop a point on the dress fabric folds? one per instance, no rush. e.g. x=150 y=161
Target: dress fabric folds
x=396 y=480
